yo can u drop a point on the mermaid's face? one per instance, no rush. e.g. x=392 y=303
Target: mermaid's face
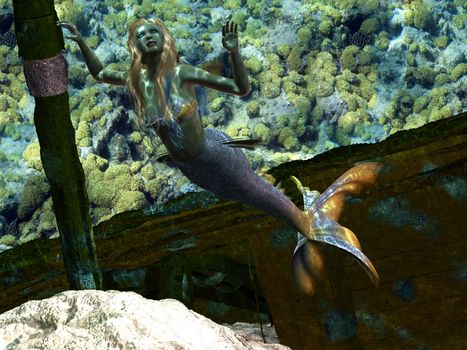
x=148 y=38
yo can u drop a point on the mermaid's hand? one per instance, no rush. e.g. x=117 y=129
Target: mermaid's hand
x=76 y=36
x=230 y=36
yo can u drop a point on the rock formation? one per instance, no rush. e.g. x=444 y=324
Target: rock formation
x=101 y=320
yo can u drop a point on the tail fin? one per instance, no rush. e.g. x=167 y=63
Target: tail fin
x=324 y=210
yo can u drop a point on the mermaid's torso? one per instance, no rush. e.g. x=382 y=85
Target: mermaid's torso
x=182 y=133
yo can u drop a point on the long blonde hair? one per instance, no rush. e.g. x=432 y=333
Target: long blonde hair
x=169 y=58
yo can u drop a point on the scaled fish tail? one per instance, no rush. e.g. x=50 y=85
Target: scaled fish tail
x=324 y=210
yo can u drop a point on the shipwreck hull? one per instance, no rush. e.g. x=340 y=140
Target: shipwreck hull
x=231 y=262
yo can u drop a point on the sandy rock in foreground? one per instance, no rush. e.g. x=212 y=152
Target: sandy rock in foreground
x=91 y=319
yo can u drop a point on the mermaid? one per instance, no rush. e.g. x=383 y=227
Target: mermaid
x=163 y=91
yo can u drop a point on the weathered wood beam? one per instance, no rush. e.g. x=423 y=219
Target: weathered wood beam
x=411 y=224
x=40 y=42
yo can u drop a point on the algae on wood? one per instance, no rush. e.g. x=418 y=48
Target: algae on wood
x=39 y=39
x=411 y=225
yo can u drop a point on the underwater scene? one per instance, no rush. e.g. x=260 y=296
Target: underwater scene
x=323 y=74
x=170 y=99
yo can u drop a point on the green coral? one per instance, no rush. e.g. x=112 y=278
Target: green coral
x=424 y=75
x=47 y=221
x=442 y=78
x=8 y=240
x=346 y=125
x=353 y=101
x=302 y=104
x=32 y=157
x=233 y=4
x=304 y=36
x=405 y=104
x=254 y=65
x=217 y=104
x=130 y=200
x=442 y=113
x=270 y=84
x=459 y=71
x=420 y=104
x=117 y=21
x=415 y=121
x=71 y=11
x=253 y=108
x=93 y=41
x=255 y=7
x=363 y=130
x=441 y=42
x=89 y=96
x=324 y=84
x=283 y=50
x=83 y=134
x=254 y=30
x=135 y=167
x=3 y=157
x=294 y=59
x=328 y=10
x=411 y=61
x=274 y=63
x=110 y=188
x=321 y=61
x=77 y=75
x=240 y=18
x=348 y=58
x=168 y=11
x=34 y=193
x=382 y=41
x=460 y=21
x=93 y=162
x=262 y=132
x=325 y=27
x=290 y=87
x=148 y=172
x=438 y=97
x=294 y=85
x=369 y=26
x=366 y=87
x=136 y=137
x=286 y=137
x=419 y=14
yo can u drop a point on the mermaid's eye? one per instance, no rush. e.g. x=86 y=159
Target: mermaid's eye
x=154 y=30
x=140 y=35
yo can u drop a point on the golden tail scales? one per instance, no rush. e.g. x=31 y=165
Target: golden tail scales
x=324 y=210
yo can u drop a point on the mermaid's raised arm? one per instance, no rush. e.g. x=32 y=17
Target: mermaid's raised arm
x=95 y=66
x=239 y=85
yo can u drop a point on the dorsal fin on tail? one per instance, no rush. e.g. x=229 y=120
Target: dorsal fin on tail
x=353 y=181
x=244 y=143
x=324 y=210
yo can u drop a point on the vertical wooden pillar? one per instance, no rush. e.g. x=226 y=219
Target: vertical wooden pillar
x=40 y=42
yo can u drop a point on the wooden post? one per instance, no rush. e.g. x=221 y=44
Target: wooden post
x=40 y=43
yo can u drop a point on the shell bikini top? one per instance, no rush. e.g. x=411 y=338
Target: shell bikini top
x=183 y=136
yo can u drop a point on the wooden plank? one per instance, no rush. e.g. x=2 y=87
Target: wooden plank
x=294 y=316
x=410 y=264
x=419 y=289
x=453 y=337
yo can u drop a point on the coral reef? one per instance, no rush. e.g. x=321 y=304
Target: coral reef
x=323 y=73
